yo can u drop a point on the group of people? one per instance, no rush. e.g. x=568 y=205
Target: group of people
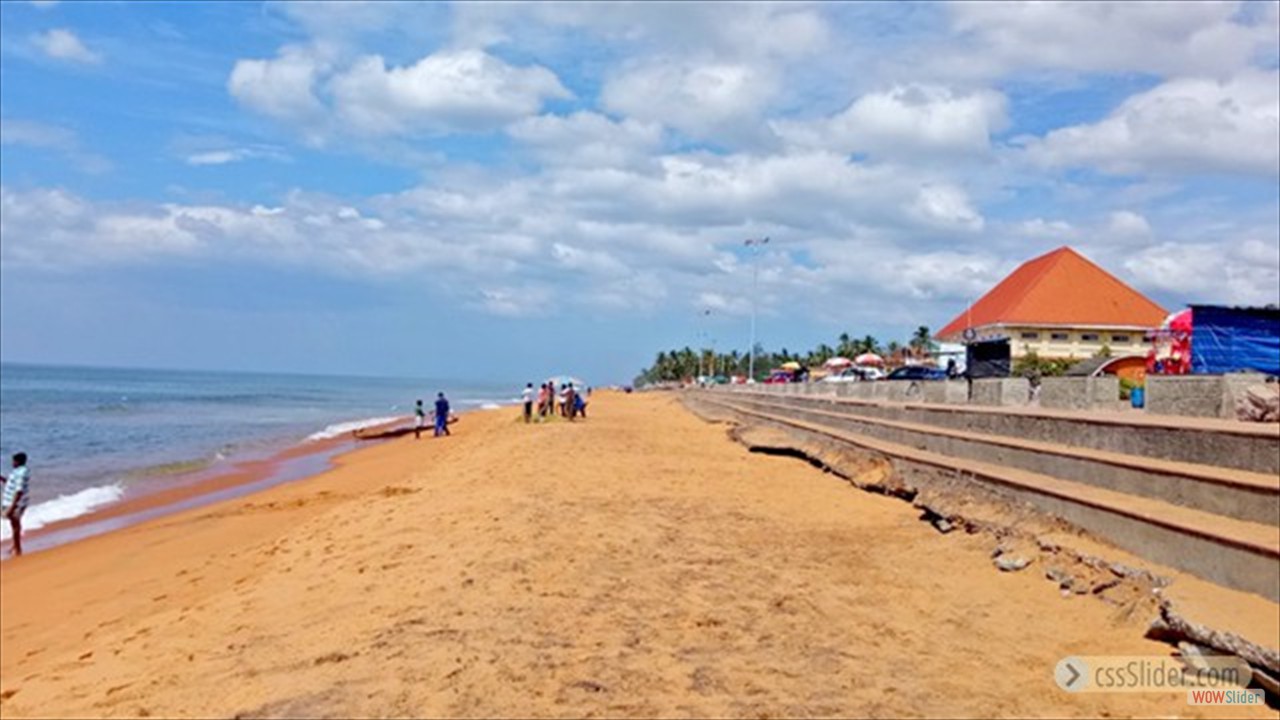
x=440 y=413
x=568 y=402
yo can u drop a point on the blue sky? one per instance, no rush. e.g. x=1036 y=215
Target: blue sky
x=508 y=190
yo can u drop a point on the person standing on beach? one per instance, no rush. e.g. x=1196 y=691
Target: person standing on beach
x=570 y=395
x=442 y=415
x=543 y=398
x=420 y=419
x=527 y=396
x=15 y=498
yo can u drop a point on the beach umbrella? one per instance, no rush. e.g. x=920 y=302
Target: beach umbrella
x=559 y=380
x=791 y=365
x=869 y=359
x=838 y=362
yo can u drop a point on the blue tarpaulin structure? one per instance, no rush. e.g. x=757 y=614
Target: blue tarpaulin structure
x=1234 y=339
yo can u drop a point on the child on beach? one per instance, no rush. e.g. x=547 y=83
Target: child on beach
x=420 y=419
x=442 y=415
x=15 y=498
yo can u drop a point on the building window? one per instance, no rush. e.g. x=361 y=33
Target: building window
x=1060 y=337
x=1030 y=336
x=1119 y=338
x=1089 y=337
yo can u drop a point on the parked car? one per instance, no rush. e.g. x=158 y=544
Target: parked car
x=871 y=373
x=855 y=374
x=778 y=377
x=917 y=372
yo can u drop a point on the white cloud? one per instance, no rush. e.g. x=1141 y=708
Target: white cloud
x=516 y=301
x=720 y=303
x=588 y=138
x=1241 y=272
x=282 y=87
x=466 y=90
x=52 y=137
x=1041 y=229
x=1155 y=37
x=44 y=4
x=1186 y=125
x=907 y=121
x=62 y=44
x=226 y=156
x=946 y=206
x=714 y=101
x=1127 y=225
x=730 y=30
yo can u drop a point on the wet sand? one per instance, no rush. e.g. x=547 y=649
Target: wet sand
x=200 y=488
x=638 y=563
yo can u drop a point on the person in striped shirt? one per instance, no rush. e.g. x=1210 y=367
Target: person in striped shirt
x=15 y=498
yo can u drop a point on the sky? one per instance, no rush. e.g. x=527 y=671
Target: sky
x=504 y=191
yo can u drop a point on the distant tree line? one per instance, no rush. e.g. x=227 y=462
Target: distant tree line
x=686 y=363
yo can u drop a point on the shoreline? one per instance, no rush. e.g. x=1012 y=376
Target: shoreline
x=304 y=459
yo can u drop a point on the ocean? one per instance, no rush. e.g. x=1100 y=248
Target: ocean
x=95 y=435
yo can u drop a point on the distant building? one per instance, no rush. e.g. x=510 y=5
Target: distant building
x=1060 y=305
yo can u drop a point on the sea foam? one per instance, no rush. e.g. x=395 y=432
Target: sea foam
x=65 y=507
x=343 y=428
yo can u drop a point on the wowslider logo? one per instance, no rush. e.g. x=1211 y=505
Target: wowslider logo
x=1150 y=673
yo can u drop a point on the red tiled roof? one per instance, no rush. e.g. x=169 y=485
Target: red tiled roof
x=1059 y=288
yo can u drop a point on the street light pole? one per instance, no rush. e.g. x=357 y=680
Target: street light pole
x=703 y=336
x=755 y=245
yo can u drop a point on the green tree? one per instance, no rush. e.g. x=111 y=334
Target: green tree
x=846 y=346
x=922 y=341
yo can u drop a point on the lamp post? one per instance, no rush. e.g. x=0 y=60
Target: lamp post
x=755 y=245
x=704 y=336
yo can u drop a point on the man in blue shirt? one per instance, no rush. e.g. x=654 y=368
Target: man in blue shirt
x=442 y=415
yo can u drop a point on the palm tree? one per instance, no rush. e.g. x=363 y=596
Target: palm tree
x=922 y=341
x=824 y=353
x=846 y=346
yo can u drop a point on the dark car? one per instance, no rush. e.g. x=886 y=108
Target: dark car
x=917 y=372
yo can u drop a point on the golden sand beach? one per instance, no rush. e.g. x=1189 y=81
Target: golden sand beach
x=639 y=563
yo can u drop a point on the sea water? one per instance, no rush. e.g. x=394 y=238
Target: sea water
x=94 y=435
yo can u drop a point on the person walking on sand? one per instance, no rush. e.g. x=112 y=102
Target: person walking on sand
x=419 y=419
x=14 y=502
x=527 y=396
x=569 y=396
x=442 y=415
x=544 y=397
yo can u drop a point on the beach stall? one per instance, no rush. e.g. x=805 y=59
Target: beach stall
x=869 y=359
x=1170 y=352
x=1234 y=339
